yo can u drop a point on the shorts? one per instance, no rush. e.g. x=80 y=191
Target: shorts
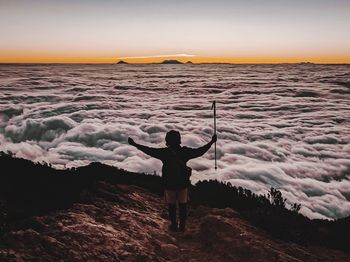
x=181 y=196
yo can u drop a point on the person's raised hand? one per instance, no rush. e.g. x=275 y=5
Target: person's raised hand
x=131 y=141
x=214 y=138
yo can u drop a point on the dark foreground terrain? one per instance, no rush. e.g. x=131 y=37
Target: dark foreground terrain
x=101 y=213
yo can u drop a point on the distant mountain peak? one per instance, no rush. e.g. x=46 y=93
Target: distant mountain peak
x=121 y=62
x=171 y=62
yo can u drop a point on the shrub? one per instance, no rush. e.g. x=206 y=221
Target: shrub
x=276 y=199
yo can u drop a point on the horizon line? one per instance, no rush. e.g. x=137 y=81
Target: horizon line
x=181 y=57
x=180 y=63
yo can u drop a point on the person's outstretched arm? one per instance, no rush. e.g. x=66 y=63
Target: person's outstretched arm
x=197 y=152
x=153 y=152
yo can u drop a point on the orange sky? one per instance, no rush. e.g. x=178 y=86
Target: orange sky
x=23 y=57
x=240 y=31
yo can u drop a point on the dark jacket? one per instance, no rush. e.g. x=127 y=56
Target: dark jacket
x=174 y=159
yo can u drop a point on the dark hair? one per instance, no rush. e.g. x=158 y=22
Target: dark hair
x=173 y=138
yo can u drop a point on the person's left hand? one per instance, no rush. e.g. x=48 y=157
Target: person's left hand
x=131 y=141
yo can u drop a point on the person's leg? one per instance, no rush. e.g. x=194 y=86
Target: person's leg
x=170 y=196
x=182 y=198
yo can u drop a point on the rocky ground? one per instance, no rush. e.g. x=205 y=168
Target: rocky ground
x=127 y=223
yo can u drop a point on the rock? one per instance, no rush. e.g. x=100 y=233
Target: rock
x=169 y=250
x=123 y=222
x=23 y=238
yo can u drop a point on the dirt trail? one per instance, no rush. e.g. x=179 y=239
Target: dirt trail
x=128 y=223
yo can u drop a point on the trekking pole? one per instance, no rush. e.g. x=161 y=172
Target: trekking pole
x=214 y=107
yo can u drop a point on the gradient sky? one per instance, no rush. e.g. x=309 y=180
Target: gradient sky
x=222 y=31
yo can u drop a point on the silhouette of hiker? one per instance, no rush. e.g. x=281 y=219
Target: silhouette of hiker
x=175 y=173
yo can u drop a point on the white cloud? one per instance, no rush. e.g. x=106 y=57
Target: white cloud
x=270 y=132
x=157 y=56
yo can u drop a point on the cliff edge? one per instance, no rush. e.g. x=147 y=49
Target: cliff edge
x=88 y=214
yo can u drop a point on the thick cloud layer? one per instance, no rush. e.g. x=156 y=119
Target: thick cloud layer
x=286 y=126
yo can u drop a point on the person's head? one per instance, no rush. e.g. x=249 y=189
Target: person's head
x=173 y=138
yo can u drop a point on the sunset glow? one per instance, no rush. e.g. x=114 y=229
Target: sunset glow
x=22 y=57
x=208 y=31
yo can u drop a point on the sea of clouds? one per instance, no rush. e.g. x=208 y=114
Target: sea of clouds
x=285 y=126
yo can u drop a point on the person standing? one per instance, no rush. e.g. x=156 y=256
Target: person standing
x=175 y=173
